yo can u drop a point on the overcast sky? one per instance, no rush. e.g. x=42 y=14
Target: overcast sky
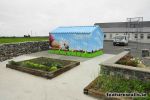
x=19 y=17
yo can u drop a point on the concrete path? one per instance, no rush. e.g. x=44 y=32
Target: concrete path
x=16 y=85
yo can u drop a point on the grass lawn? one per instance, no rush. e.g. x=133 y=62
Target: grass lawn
x=20 y=39
x=77 y=53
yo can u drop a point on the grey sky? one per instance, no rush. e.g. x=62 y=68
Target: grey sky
x=19 y=17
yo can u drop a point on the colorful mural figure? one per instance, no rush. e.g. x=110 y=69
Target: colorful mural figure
x=53 y=43
x=77 y=38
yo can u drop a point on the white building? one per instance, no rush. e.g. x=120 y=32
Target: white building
x=120 y=28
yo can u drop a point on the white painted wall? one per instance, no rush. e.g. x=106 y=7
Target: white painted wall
x=110 y=36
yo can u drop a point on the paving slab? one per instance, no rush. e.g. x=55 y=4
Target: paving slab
x=16 y=85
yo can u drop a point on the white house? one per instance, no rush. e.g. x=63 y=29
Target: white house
x=120 y=28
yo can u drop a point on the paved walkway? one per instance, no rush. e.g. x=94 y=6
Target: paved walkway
x=16 y=85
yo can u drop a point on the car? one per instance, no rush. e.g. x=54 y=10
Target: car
x=120 y=40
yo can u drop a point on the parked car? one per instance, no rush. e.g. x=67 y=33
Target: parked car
x=120 y=40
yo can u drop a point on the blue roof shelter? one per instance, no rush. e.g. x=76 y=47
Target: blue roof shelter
x=85 y=38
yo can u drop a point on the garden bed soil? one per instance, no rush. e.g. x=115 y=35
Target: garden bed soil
x=67 y=65
x=131 y=61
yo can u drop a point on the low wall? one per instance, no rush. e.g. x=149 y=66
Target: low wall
x=111 y=68
x=7 y=51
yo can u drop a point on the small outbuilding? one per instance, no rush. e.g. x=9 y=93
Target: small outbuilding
x=87 y=39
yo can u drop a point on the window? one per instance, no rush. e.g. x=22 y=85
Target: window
x=110 y=36
x=136 y=36
x=125 y=38
x=104 y=35
x=128 y=35
x=141 y=36
x=148 y=36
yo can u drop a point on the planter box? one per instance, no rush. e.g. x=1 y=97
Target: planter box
x=110 y=67
x=89 y=90
x=46 y=74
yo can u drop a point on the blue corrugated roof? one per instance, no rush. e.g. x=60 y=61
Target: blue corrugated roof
x=75 y=29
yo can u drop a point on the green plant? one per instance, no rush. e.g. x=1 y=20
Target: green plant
x=13 y=62
x=53 y=68
x=117 y=84
x=129 y=60
x=35 y=66
x=44 y=65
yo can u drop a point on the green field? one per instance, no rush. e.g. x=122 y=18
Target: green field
x=20 y=39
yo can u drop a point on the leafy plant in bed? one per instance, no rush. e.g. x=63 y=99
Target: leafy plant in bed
x=114 y=84
x=45 y=67
x=131 y=61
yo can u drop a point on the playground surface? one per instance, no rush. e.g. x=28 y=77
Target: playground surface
x=16 y=85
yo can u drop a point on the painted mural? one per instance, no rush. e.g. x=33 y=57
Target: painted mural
x=80 y=41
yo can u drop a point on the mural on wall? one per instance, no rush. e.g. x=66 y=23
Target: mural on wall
x=58 y=44
x=80 y=41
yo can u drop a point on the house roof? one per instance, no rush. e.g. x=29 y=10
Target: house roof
x=120 y=24
x=121 y=27
x=75 y=29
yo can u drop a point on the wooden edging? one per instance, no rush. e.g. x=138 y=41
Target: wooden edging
x=45 y=74
x=88 y=90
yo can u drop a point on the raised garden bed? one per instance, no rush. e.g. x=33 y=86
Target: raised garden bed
x=44 y=67
x=121 y=74
x=129 y=60
x=77 y=53
x=110 y=84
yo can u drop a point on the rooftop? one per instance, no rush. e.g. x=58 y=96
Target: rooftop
x=121 y=27
x=75 y=29
x=119 y=24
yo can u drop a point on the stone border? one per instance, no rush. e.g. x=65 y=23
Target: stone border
x=45 y=74
x=110 y=67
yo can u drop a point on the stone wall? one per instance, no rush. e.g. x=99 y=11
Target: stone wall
x=111 y=68
x=7 y=51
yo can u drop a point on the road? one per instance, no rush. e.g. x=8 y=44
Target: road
x=136 y=50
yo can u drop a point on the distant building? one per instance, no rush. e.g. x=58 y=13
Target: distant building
x=120 y=28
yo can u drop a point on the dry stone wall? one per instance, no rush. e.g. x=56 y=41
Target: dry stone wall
x=7 y=51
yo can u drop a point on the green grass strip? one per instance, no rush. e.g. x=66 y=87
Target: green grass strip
x=21 y=39
x=77 y=53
